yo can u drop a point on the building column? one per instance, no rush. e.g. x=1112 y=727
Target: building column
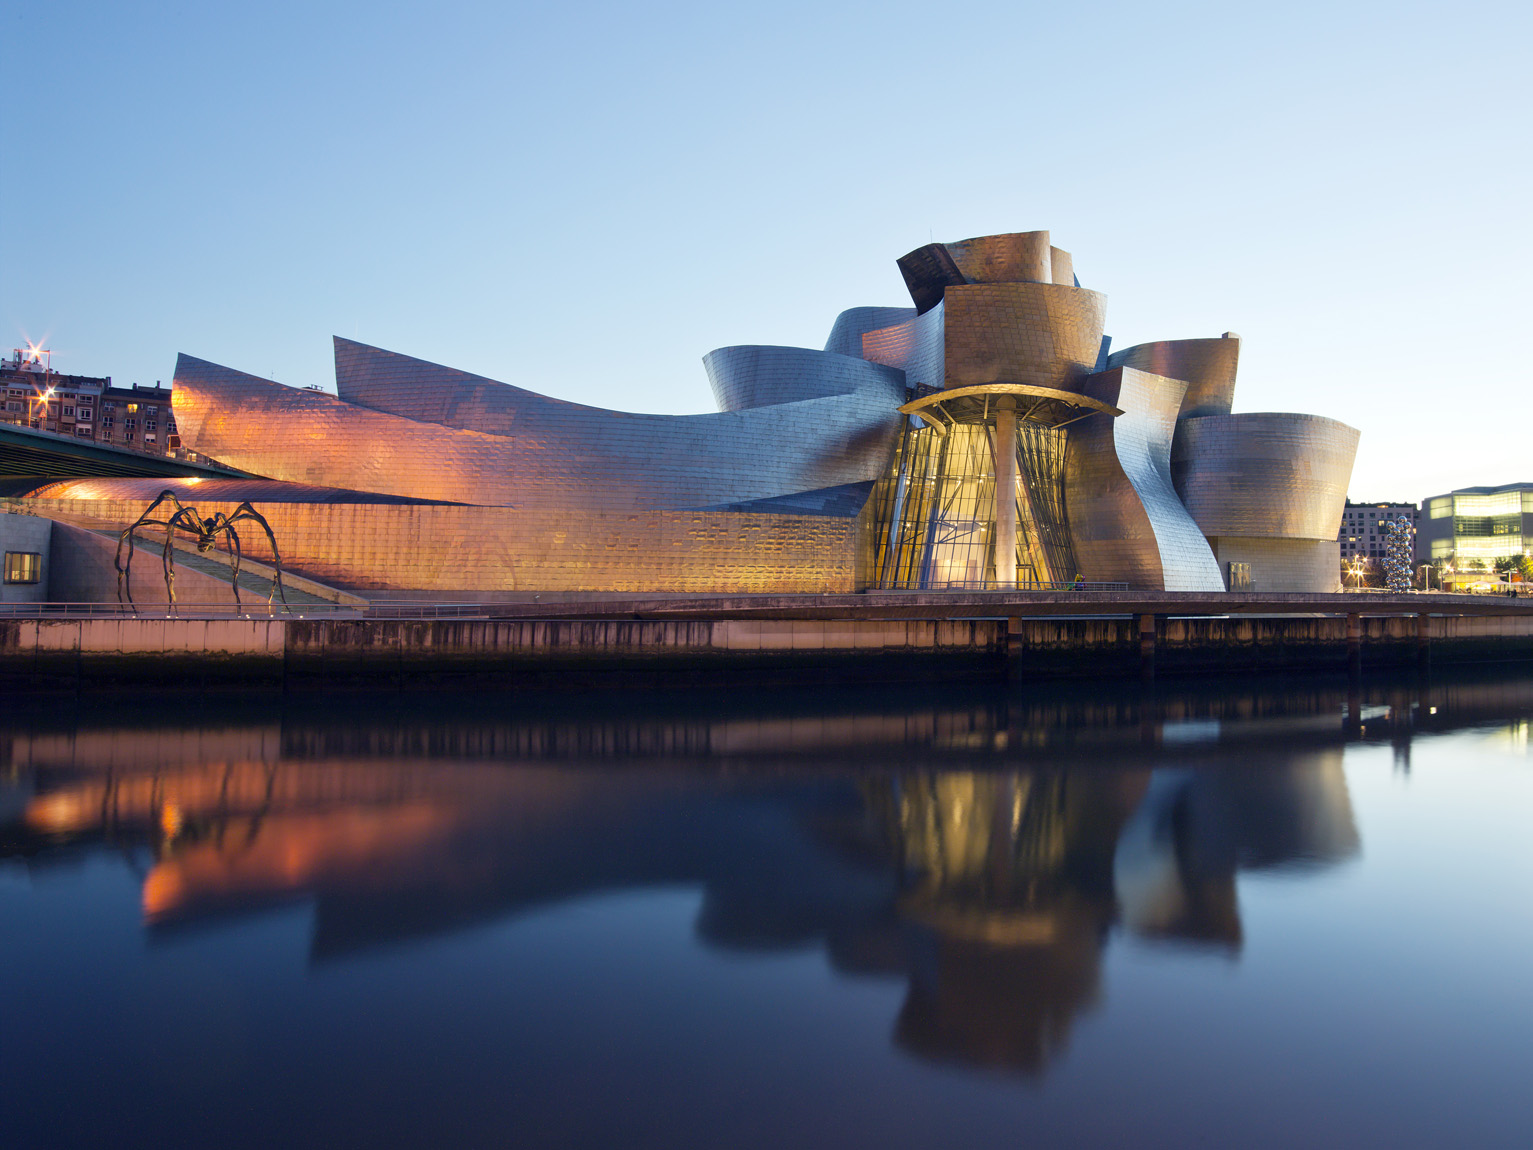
x=1006 y=492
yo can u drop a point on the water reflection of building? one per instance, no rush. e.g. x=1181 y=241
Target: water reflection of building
x=990 y=886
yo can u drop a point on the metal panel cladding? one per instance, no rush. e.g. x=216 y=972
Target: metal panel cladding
x=1264 y=475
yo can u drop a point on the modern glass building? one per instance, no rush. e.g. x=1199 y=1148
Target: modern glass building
x=1477 y=525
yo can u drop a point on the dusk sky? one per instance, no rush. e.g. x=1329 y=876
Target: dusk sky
x=585 y=198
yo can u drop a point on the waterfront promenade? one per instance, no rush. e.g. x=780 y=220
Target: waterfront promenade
x=652 y=640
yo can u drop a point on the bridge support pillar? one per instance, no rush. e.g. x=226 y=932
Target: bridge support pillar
x=1354 y=644
x=1147 y=646
x=1423 y=641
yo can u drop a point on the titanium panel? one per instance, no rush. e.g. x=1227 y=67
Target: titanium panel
x=1312 y=565
x=756 y=376
x=1208 y=366
x=1126 y=521
x=1039 y=333
x=1062 y=264
x=1010 y=258
x=854 y=323
x=1266 y=475
x=234 y=491
x=928 y=272
x=915 y=347
x=443 y=549
x=547 y=451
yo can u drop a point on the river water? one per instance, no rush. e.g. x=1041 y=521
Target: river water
x=1250 y=913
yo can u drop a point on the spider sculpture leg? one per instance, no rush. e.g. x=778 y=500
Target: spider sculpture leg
x=144 y=520
x=234 y=550
x=245 y=511
x=186 y=520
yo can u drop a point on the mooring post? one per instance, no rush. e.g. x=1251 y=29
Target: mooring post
x=1354 y=644
x=1014 y=647
x=1147 y=646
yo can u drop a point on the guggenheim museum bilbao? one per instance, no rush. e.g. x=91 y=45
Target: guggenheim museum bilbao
x=985 y=437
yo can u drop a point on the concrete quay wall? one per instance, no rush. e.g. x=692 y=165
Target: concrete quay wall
x=44 y=653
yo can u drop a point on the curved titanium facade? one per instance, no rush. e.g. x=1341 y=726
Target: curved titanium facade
x=758 y=376
x=1043 y=334
x=1126 y=521
x=1012 y=258
x=1208 y=366
x=914 y=346
x=855 y=322
x=397 y=435
x=1268 y=475
x=772 y=492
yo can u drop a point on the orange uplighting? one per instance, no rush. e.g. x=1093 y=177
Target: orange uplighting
x=170 y=820
x=60 y=812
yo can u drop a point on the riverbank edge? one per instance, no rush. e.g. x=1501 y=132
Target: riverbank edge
x=319 y=653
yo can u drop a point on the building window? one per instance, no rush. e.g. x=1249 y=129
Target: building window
x=106 y=420
x=83 y=430
x=12 y=405
x=108 y=405
x=132 y=407
x=149 y=424
x=23 y=566
x=129 y=424
x=69 y=410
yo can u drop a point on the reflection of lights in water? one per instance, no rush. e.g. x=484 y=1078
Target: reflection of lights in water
x=1515 y=736
x=1512 y=737
x=170 y=820
x=59 y=812
x=1184 y=731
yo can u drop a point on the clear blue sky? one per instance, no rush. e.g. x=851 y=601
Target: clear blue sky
x=584 y=198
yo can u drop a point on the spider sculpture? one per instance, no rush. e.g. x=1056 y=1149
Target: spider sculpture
x=186 y=519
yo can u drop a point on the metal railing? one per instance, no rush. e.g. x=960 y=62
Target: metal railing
x=993 y=585
x=258 y=610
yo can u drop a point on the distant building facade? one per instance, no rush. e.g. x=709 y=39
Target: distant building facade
x=139 y=418
x=38 y=397
x=1362 y=528
x=1476 y=526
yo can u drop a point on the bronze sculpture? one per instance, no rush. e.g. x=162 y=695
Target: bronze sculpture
x=186 y=518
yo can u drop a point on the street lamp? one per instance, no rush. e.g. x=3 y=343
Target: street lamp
x=41 y=399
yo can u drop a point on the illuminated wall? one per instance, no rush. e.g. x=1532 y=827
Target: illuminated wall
x=397 y=548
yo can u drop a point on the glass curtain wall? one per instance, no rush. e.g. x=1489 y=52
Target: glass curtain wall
x=934 y=512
